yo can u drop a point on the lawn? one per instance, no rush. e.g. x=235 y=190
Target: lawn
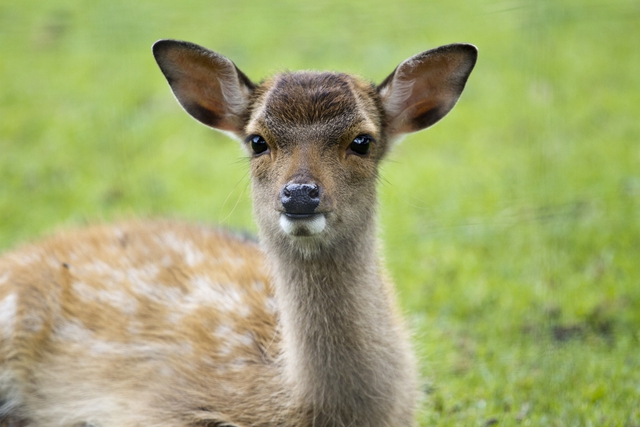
x=512 y=228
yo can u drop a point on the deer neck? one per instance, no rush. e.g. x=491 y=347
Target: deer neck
x=343 y=349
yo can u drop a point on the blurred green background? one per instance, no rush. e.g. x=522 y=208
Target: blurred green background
x=512 y=228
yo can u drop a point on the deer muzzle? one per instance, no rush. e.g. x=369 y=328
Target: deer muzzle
x=299 y=216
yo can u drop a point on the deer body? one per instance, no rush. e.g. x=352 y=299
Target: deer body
x=166 y=324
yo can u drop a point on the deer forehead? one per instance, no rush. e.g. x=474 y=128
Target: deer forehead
x=307 y=105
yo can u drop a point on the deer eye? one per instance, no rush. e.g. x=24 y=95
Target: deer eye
x=361 y=145
x=258 y=144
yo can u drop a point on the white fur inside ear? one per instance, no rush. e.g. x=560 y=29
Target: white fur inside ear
x=234 y=93
x=303 y=227
x=396 y=94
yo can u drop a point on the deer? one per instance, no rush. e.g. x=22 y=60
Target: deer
x=164 y=323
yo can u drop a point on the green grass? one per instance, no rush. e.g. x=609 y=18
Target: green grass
x=512 y=228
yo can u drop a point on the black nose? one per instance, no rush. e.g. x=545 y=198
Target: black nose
x=300 y=199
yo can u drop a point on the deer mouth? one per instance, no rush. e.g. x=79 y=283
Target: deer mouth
x=301 y=225
x=297 y=216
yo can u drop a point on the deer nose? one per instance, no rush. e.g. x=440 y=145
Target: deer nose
x=300 y=200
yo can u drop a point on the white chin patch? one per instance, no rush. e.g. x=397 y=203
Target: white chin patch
x=304 y=226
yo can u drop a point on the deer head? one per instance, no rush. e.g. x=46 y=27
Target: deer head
x=315 y=139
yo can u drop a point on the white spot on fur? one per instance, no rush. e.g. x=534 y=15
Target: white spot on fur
x=208 y=361
x=229 y=339
x=8 y=310
x=143 y=348
x=32 y=322
x=223 y=332
x=143 y=282
x=73 y=332
x=135 y=327
x=146 y=273
x=115 y=298
x=53 y=263
x=312 y=226
x=27 y=259
x=99 y=267
x=167 y=261
x=246 y=339
x=239 y=363
x=271 y=305
x=226 y=298
x=227 y=258
x=258 y=286
x=4 y=278
x=192 y=255
x=226 y=349
x=118 y=233
x=166 y=371
x=167 y=295
x=83 y=290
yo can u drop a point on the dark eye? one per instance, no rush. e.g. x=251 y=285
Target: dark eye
x=258 y=144
x=361 y=145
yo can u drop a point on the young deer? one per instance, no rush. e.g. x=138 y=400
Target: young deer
x=167 y=324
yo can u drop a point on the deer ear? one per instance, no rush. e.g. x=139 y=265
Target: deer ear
x=425 y=87
x=208 y=85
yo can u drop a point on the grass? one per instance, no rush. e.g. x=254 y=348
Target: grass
x=512 y=228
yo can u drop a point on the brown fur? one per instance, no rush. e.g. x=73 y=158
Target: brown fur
x=164 y=324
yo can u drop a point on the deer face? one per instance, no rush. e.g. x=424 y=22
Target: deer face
x=315 y=139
